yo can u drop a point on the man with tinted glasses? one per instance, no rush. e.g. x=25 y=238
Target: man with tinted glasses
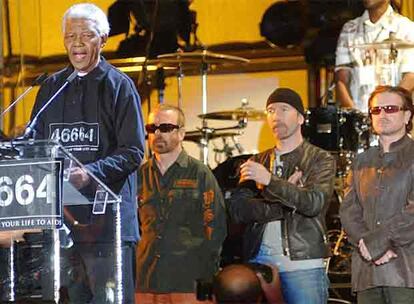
x=181 y=214
x=378 y=209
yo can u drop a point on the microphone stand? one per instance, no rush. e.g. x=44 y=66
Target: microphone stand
x=39 y=80
x=30 y=127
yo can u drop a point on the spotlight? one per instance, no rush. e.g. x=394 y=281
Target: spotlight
x=158 y=22
x=283 y=24
x=315 y=24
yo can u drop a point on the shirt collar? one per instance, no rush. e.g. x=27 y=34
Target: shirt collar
x=182 y=160
x=397 y=145
x=383 y=21
x=97 y=73
x=294 y=152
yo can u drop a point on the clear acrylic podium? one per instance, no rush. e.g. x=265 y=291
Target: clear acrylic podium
x=44 y=214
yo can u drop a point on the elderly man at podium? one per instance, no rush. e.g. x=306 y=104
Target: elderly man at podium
x=103 y=104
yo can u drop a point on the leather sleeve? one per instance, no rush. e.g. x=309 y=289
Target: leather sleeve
x=351 y=212
x=243 y=207
x=312 y=197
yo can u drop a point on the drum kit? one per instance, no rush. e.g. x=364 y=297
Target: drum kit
x=205 y=60
x=343 y=132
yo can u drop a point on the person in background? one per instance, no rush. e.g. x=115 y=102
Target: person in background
x=103 y=104
x=182 y=215
x=377 y=212
x=360 y=69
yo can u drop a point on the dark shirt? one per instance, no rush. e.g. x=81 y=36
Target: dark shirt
x=182 y=219
x=103 y=110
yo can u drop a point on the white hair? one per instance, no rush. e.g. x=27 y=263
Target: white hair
x=88 y=11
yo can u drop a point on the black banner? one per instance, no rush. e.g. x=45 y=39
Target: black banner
x=31 y=194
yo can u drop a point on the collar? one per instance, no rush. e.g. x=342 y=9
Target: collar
x=182 y=160
x=397 y=145
x=383 y=21
x=97 y=73
x=294 y=152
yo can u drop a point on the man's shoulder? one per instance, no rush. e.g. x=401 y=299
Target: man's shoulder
x=116 y=76
x=315 y=151
x=197 y=164
x=397 y=18
x=59 y=76
x=351 y=26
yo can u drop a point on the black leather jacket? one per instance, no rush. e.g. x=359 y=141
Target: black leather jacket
x=301 y=208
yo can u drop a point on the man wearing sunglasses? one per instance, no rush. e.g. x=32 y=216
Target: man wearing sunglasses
x=181 y=213
x=378 y=209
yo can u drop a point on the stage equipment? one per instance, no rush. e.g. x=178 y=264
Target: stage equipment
x=202 y=59
x=313 y=24
x=159 y=25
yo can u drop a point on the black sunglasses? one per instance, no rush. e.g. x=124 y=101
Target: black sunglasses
x=164 y=128
x=387 y=109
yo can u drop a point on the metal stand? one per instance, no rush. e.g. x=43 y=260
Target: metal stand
x=204 y=144
x=180 y=76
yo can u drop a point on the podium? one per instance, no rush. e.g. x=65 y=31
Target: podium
x=46 y=212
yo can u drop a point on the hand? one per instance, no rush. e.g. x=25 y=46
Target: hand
x=295 y=178
x=272 y=290
x=7 y=238
x=388 y=256
x=364 y=250
x=78 y=177
x=251 y=170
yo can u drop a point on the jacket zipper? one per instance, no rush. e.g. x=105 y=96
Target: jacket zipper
x=286 y=250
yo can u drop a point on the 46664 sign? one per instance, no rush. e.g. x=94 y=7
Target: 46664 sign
x=30 y=194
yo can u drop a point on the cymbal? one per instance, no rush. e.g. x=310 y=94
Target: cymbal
x=387 y=44
x=237 y=114
x=198 y=135
x=198 y=57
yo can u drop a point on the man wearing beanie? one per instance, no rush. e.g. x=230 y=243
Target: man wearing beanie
x=285 y=208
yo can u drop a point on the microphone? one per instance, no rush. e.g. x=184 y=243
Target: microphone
x=30 y=126
x=39 y=80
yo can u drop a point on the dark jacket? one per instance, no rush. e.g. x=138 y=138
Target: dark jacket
x=105 y=107
x=301 y=209
x=379 y=208
x=183 y=224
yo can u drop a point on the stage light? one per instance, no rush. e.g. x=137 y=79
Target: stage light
x=283 y=24
x=313 y=24
x=157 y=22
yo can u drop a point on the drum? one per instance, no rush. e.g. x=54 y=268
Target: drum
x=354 y=130
x=228 y=174
x=335 y=129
